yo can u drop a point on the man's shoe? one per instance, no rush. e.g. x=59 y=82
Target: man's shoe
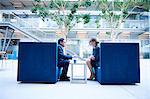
x=67 y=77
x=64 y=79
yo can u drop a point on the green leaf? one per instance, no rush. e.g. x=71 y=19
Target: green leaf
x=103 y=11
x=34 y=10
x=97 y=22
x=73 y=10
x=78 y=17
x=86 y=3
x=86 y=18
x=37 y=0
x=76 y=5
x=70 y=17
x=108 y=33
x=51 y=5
x=125 y=12
x=111 y=13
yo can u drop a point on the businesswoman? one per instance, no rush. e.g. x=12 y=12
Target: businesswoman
x=93 y=60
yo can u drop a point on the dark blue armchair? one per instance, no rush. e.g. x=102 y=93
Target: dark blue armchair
x=119 y=63
x=37 y=62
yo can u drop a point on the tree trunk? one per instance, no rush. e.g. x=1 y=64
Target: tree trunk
x=65 y=37
x=112 y=36
x=65 y=33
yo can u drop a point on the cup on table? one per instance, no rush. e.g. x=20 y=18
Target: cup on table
x=74 y=61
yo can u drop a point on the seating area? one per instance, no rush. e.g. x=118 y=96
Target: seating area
x=37 y=62
x=74 y=49
x=119 y=63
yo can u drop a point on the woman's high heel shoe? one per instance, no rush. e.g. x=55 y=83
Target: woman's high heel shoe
x=91 y=78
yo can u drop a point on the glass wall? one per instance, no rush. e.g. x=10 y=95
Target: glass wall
x=136 y=27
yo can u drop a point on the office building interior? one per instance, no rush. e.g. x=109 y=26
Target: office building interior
x=19 y=24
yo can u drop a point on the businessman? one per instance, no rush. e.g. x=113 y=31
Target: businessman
x=63 y=60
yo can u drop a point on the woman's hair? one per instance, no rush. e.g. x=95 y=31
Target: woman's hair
x=60 y=40
x=94 y=40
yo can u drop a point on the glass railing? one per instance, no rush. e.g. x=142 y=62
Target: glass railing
x=145 y=49
x=26 y=26
x=36 y=27
x=38 y=23
x=136 y=24
x=145 y=42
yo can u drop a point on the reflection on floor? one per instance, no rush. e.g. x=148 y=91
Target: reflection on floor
x=11 y=89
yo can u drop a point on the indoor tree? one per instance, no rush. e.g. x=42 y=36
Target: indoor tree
x=63 y=12
x=115 y=12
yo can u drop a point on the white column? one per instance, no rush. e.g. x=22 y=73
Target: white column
x=148 y=77
x=149 y=23
x=1 y=17
x=149 y=27
x=81 y=50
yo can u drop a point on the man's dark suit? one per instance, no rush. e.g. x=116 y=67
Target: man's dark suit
x=63 y=61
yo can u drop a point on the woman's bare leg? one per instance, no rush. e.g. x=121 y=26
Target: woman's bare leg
x=88 y=62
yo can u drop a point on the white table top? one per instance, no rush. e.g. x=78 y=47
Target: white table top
x=78 y=63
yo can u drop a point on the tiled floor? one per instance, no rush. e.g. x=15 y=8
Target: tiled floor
x=11 y=89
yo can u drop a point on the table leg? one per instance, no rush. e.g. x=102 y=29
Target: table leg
x=85 y=73
x=71 y=73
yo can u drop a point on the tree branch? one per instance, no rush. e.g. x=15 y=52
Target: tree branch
x=56 y=4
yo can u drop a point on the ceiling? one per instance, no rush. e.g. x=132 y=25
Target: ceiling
x=17 y=4
x=20 y=4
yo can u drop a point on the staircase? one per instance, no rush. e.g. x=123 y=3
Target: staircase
x=20 y=24
x=15 y=27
